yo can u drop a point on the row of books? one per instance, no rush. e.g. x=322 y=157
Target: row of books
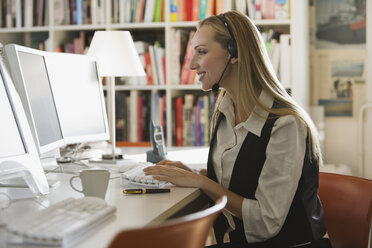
x=152 y=57
x=182 y=52
x=191 y=116
x=69 y=12
x=278 y=47
x=129 y=11
x=134 y=110
x=78 y=45
x=23 y=13
x=264 y=9
x=193 y=10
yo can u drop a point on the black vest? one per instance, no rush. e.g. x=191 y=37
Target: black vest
x=304 y=221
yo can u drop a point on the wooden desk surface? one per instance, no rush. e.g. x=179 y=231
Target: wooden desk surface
x=132 y=210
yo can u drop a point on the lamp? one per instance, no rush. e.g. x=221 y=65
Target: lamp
x=116 y=57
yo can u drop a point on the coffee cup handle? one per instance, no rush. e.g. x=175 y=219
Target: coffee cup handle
x=72 y=186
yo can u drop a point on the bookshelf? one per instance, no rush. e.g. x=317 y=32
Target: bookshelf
x=296 y=26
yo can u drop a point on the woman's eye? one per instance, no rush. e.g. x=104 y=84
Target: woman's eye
x=201 y=52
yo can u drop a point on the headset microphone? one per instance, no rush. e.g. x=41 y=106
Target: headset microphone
x=216 y=86
x=232 y=48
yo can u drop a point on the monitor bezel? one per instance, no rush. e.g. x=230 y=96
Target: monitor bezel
x=28 y=164
x=104 y=136
x=12 y=58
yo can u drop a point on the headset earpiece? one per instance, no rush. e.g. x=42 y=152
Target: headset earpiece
x=231 y=44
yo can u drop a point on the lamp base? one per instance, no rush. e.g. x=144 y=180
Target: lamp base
x=108 y=159
x=115 y=165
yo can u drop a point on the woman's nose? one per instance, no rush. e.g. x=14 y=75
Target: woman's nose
x=193 y=64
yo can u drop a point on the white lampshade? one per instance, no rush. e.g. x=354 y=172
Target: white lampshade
x=116 y=54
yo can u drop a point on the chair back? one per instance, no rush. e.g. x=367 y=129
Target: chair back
x=347 y=204
x=190 y=231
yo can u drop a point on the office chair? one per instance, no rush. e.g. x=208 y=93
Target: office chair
x=189 y=231
x=347 y=204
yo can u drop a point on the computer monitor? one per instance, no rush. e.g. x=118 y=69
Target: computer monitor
x=31 y=80
x=18 y=153
x=78 y=96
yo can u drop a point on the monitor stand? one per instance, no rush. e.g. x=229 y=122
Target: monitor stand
x=34 y=179
x=49 y=160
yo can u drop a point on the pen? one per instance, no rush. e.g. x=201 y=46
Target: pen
x=145 y=191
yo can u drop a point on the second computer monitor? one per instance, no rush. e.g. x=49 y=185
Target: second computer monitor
x=79 y=98
x=18 y=153
x=31 y=79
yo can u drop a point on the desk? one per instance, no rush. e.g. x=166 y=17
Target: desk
x=132 y=210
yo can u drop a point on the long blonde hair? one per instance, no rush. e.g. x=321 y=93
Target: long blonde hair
x=255 y=73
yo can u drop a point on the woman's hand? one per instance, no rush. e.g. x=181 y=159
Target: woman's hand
x=178 y=164
x=176 y=174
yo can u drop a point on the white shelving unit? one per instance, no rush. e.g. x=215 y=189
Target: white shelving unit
x=297 y=26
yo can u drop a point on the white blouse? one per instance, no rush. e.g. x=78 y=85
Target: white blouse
x=281 y=172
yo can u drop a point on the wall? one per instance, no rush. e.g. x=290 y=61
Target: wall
x=342 y=142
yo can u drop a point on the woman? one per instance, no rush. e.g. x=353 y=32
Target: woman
x=264 y=152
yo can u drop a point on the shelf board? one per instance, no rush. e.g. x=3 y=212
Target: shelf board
x=79 y=27
x=272 y=22
x=187 y=87
x=192 y=24
x=25 y=29
x=133 y=144
x=143 y=87
x=156 y=87
x=137 y=25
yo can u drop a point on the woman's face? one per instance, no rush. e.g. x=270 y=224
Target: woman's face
x=209 y=58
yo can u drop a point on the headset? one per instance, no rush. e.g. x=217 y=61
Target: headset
x=231 y=44
x=232 y=48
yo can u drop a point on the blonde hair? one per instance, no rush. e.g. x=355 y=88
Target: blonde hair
x=255 y=73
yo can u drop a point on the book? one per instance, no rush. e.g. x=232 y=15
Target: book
x=140 y=124
x=251 y=9
x=28 y=12
x=187 y=119
x=241 y=6
x=154 y=69
x=180 y=7
x=204 y=120
x=185 y=72
x=281 y=9
x=157 y=10
x=257 y=12
x=187 y=10
x=178 y=120
x=268 y=9
x=159 y=54
x=195 y=10
x=203 y=4
x=223 y=6
x=149 y=11
x=275 y=55
x=133 y=116
x=173 y=9
x=121 y=116
x=285 y=60
x=148 y=68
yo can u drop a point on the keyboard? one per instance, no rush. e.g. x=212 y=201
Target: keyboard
x=61 y=223
x=137 y=177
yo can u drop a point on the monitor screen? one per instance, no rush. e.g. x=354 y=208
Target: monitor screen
x=78 y=95
x=32 y=82
x=18 y=153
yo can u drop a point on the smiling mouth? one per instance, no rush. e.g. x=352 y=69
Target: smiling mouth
x=201 y=75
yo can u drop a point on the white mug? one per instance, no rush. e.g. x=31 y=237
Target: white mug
x=94 y=182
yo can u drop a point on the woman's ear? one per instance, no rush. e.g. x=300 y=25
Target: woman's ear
x=234 y=60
